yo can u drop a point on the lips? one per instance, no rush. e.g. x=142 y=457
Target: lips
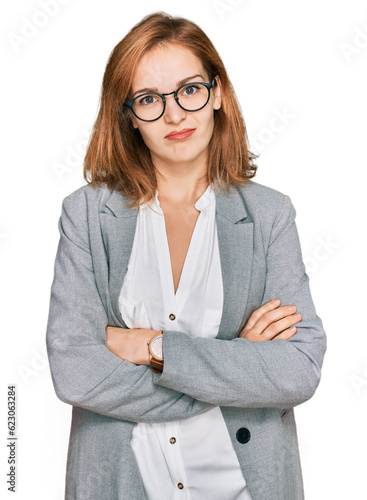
x=180 y=134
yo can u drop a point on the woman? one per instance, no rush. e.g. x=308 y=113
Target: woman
x=171 y=324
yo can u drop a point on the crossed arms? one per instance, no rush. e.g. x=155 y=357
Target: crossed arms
x=279 y=373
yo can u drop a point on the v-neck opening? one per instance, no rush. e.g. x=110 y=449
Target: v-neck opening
x=195 y=244
x=184 y=265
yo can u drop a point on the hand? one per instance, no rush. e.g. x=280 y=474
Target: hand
x=130 y=344
x=269 y=320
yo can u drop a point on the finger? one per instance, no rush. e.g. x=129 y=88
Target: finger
x=272 y=316
x=287 y=334
x=256 y=315
x=279 y=326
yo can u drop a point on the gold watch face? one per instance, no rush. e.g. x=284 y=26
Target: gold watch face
x=157 y=347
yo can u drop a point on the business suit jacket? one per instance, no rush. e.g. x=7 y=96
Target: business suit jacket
x=256 y=384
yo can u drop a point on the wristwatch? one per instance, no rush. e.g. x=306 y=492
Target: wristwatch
x=155 y=346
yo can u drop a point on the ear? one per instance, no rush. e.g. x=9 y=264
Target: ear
x=134 y=122
x=217 y=91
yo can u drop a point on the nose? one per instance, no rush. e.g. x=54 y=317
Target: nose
x=173 y=112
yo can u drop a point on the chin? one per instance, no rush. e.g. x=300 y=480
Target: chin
x=189 y=153
x=181 y=158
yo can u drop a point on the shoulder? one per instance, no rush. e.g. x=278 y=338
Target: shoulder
x=86 y=198
x=265 y=202
x=258 y=195
x=79 y=214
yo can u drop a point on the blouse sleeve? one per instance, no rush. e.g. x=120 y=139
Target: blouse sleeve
x=84 y=372
x=277 y=373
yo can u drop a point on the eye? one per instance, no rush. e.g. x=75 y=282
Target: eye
x=190 y=89
x=148 y=99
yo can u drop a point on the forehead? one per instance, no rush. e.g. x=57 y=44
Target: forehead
x=164 y=66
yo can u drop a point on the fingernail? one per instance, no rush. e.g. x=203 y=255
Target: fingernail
x=293 y=329
x=276 y=301
x=292 y=308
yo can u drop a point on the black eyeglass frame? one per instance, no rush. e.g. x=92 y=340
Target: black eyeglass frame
x=175 y=92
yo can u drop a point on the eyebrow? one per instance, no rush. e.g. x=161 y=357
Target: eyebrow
x=154 y=89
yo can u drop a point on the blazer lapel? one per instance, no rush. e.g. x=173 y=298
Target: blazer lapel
x=235 y=239
x=118 y=224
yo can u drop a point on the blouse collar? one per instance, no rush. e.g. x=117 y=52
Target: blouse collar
x=201 y=204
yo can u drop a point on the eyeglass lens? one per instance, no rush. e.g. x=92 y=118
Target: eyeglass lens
x=191 y=97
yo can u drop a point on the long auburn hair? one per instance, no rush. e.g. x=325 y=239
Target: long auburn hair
x=117 y=155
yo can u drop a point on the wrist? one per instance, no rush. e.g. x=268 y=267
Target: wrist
x=155 y=351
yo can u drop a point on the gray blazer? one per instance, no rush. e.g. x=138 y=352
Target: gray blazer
x=256 y=384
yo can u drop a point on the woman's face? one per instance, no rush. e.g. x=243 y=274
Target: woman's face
x=161 y=70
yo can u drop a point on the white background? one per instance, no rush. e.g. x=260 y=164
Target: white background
x=305 y=61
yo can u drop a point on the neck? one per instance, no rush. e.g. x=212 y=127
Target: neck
x=181 y=185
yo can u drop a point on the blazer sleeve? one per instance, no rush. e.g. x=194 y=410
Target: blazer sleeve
x=240 y=373
x=84 y=372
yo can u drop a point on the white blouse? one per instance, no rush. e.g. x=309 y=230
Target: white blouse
x=193 y=458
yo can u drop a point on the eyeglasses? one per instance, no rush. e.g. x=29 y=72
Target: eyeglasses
x=190 y=97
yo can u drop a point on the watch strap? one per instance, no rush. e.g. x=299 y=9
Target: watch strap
x=156 y=366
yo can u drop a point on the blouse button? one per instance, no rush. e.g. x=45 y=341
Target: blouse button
x=180 y=486
x=172 y=440
x=172 y=317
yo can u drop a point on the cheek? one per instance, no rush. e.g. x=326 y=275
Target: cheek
x=209 y=124
x=150 y=137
